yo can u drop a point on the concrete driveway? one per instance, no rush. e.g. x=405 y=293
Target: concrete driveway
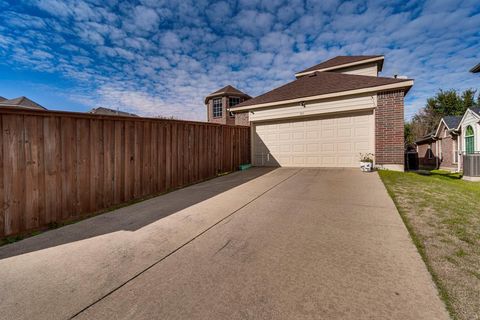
x=260 y=244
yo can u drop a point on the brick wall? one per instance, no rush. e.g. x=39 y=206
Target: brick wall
x=225 y=118
x=447 y=161
x=389 y=138
x=241 y=119
x=427 y=155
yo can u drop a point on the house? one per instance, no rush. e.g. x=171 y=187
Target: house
x=455 y=136
x=220 y=101
x=111 y=112
x=21 y=102
x=330 y=114
x=439 y=149
x=469 y=133
x=475 y=69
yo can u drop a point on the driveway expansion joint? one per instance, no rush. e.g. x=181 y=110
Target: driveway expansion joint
x=183 y=245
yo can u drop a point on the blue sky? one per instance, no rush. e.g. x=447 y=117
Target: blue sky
x=157 y=57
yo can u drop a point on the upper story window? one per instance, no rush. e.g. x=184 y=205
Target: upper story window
x=233 y=101
x=217 y=108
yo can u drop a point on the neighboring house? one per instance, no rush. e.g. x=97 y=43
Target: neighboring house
x=21 y=102
x=439 y=149
x=220 y=101
x=475 y=69
x=469 y=133
x=455 y=136
x=111 y=112
x=330 y=114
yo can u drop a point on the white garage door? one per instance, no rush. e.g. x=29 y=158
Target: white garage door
x=334 y=141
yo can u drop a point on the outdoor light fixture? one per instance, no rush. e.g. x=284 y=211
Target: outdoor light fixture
x=303 y=104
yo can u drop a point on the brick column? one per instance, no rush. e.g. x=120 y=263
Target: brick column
x=241 y=119
x=389 y=127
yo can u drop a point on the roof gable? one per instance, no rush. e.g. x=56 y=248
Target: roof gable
x=22 y=102
x=340 y=62
x=475 y=112
x=321 y=83
x=429 y=137
x=107 y=111
x=452 y=122
x=226 y=91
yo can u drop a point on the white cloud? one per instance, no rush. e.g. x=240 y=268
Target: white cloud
x=145 y=18
x=162 y=57
x=254 y=22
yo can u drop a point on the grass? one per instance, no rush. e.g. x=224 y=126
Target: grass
x=442 y=214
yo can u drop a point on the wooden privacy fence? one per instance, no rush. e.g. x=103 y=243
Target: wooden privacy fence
x=58 y=166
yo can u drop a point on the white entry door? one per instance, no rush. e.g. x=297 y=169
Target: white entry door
x=334 y=141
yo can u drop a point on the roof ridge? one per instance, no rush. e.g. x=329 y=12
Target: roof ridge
x=321 y=84
x=338 y=61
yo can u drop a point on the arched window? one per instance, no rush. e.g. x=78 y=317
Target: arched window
x=469 y=140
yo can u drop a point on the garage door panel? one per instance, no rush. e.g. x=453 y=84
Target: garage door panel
x=328 y=161
x=327 y=147
x=318 y=142
x=363 y=131
x=344 y=132
x=312 y=147
x=345 y=147
x=327 y=132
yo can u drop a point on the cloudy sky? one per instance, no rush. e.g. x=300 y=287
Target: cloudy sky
x=157 y=57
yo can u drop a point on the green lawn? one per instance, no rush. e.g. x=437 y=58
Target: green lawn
x=442 y=213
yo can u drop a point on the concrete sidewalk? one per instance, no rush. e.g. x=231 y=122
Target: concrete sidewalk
x=286 y=244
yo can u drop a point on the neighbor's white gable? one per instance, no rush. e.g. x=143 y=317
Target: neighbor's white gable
x=470 y=118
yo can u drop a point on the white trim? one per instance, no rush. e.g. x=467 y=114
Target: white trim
x=341 y=66
x=399 y=85
x=463 y=118
x=454 y=151
x=438 y=127
x=473 y=179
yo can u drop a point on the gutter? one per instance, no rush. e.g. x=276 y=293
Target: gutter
x=398 y=85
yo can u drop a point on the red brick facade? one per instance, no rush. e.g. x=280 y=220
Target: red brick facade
x=389 y=127
x=241 y=119
x=225 y=118
x=427 y=154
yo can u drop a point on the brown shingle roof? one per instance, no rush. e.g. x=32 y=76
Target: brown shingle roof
x=23 y=102
x=111 y=112
x=339 y=61
x=319 y=83
x=226 y=91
